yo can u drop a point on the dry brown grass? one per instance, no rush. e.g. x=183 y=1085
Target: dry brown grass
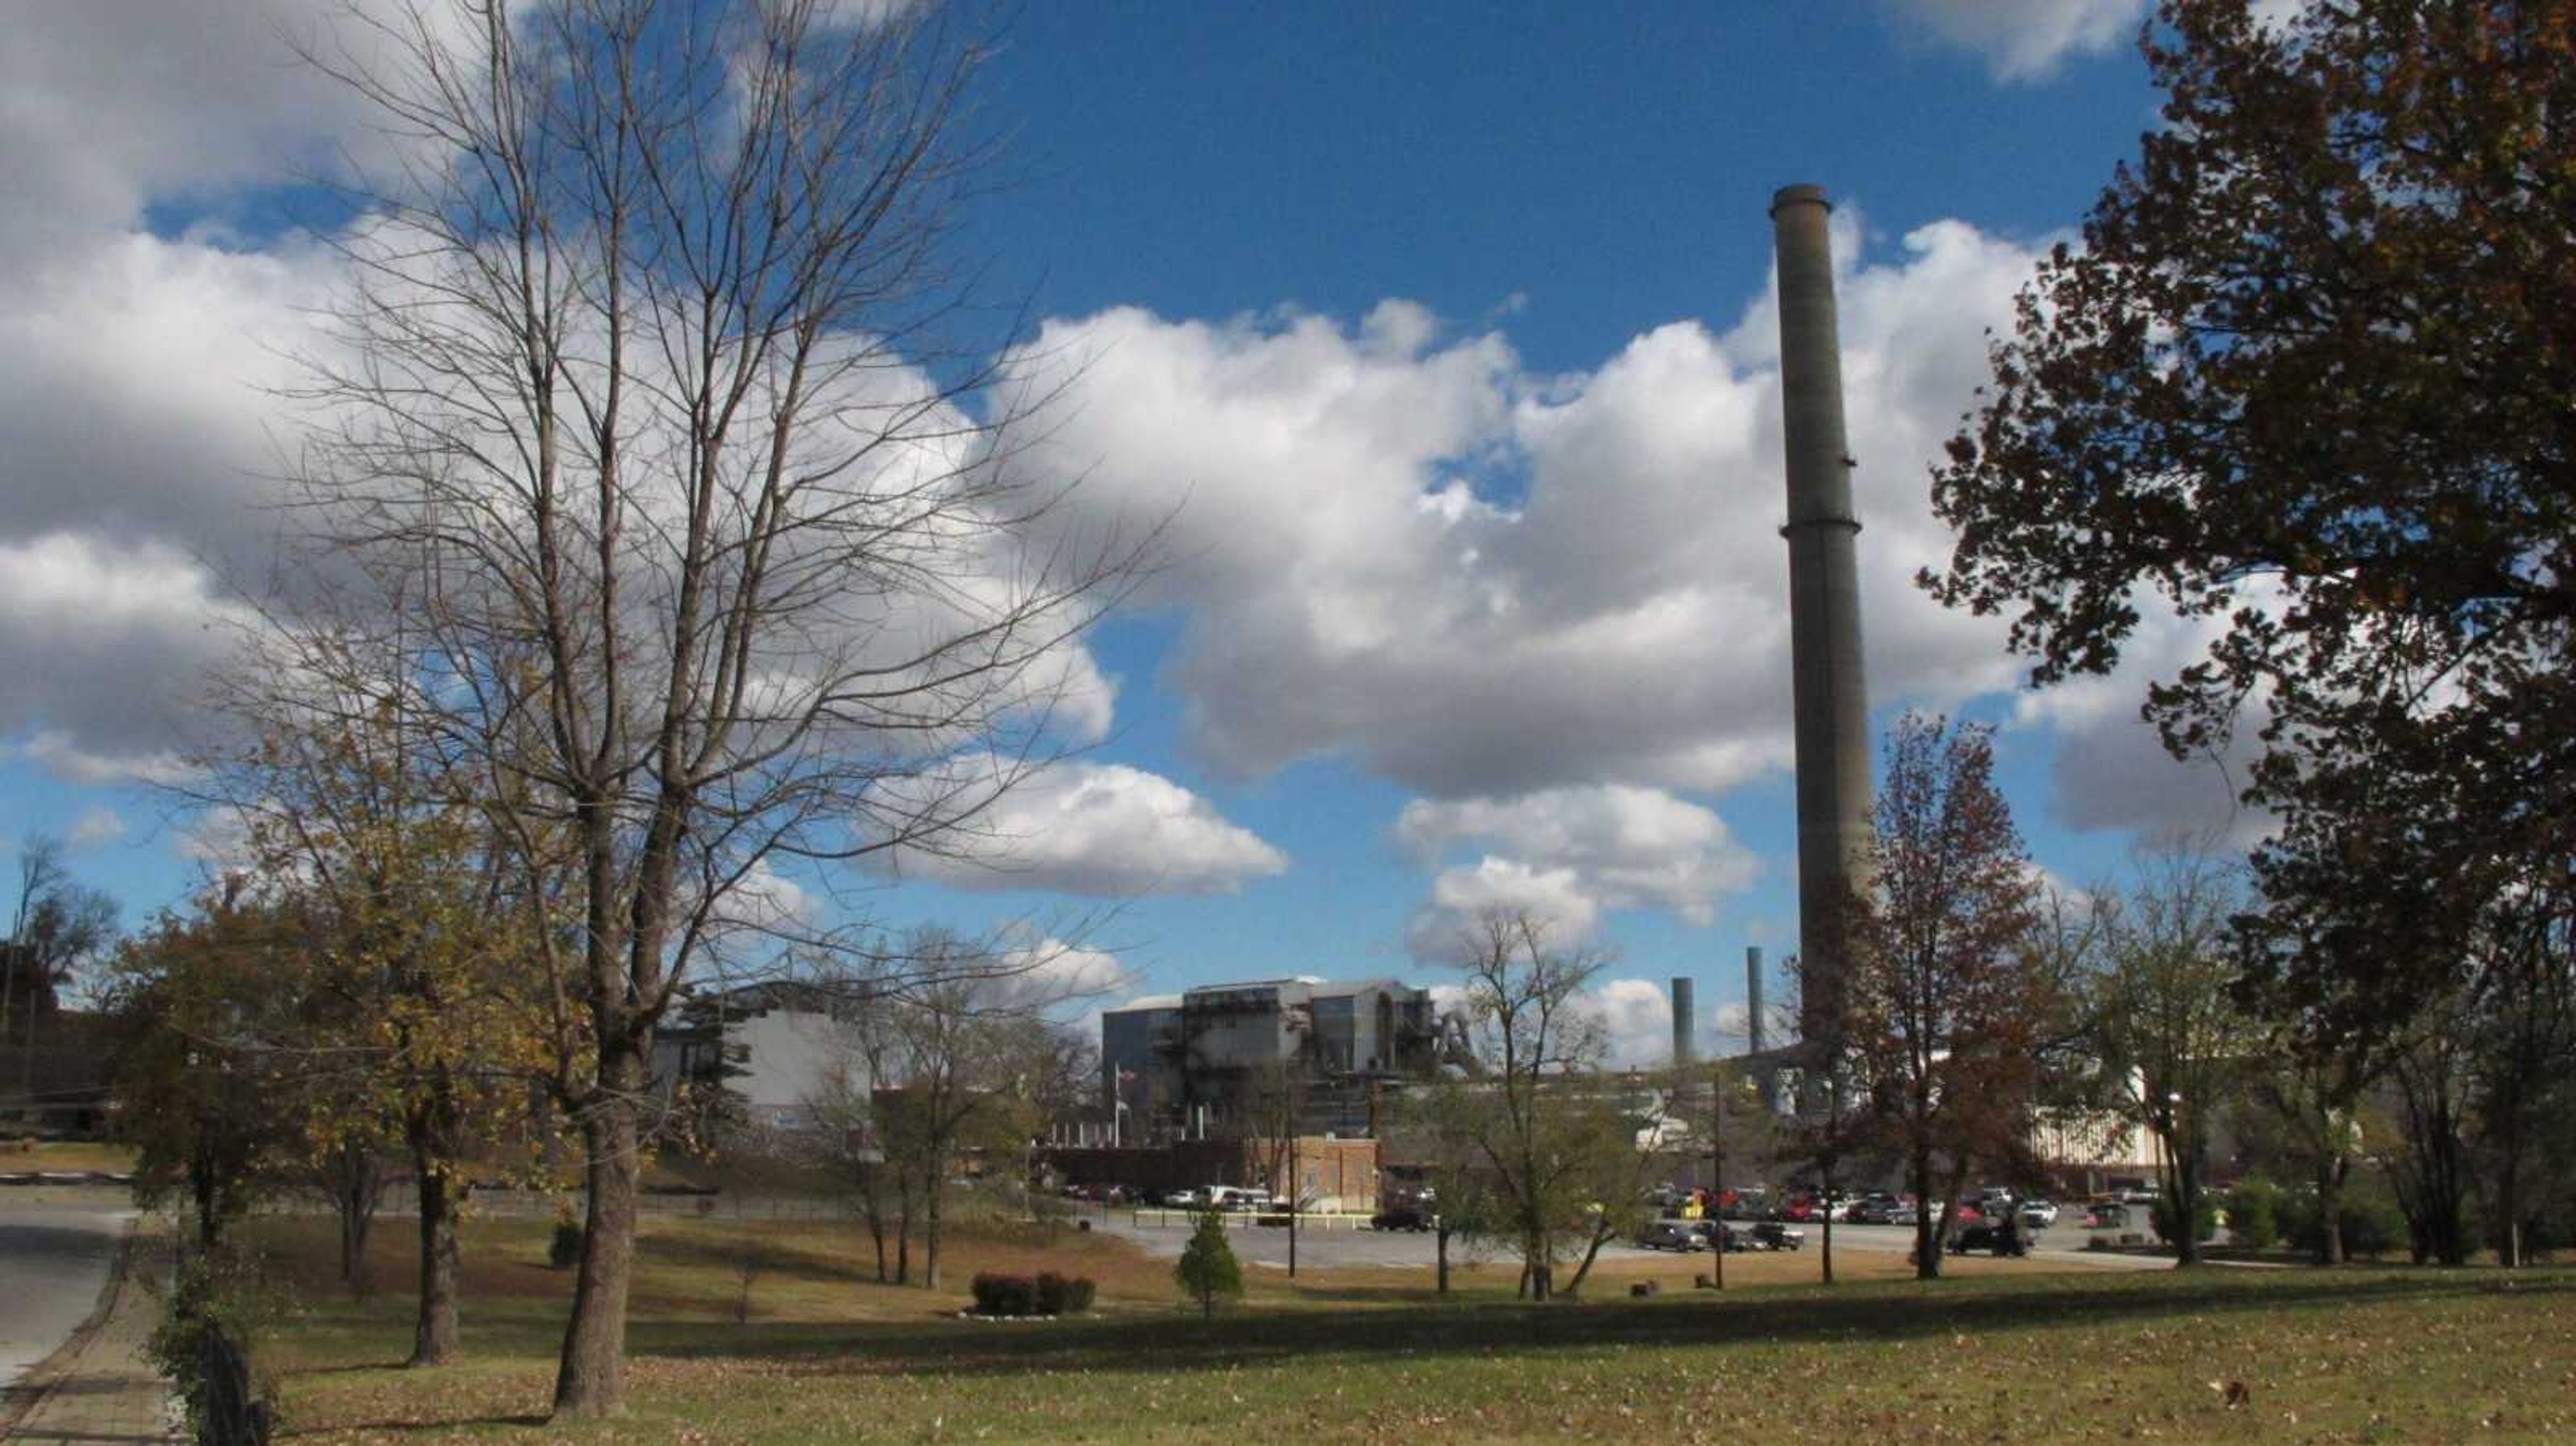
x=1670 y=1273
x=64 y=1155
x=694 y=1269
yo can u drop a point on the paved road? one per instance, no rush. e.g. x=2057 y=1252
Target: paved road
x=2063 y=1243
x=1330 y=1249
x=54 y=1252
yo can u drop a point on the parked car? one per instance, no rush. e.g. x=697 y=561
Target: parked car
x=1401 y=1217
x=1904 y=1212
x=1722 y=1236
x=1672 y=1235
x=2039 y=1213
x=1879 y=1212
x=1999 y=1238
x=1772 y=1235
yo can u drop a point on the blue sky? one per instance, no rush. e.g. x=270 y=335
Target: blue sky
x=1443 y=324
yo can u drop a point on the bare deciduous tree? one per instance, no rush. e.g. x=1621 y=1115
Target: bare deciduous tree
x=55 y=926
x=651 y=377
x=947 y=1051
x=2175 y=1043
x=1525 y=1121
x=2524 y=1034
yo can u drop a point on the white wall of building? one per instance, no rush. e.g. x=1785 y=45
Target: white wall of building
x=788 y=1057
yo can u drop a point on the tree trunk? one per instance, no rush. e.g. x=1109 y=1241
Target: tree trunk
x=934 y=1190
x=1825 y=1198
x=2186 y=1198
x=353 y=1200
x=206 y=1184
x=1927 y=1253
x=903 y=1228
x=1939 y=1243
x=2330 y=1177
x=872 y=1200
x=433 y=1336
x=1591 y=1252
x=2507 y=1233
x=590 y=1382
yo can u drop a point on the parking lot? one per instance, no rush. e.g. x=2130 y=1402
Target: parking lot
x=1329 y=1249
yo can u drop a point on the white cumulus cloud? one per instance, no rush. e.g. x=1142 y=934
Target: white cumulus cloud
x=2028 y=39
x=96 y=828
x=1627 y=846
x=1444 y=928
x=1101 y=829
x=1403 y=548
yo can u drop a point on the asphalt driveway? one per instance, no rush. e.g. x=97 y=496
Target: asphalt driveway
x=55 y=1249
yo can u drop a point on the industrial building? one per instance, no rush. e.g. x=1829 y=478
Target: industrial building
x=1233 y=1060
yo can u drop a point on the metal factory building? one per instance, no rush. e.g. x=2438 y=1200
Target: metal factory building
x=1232 y=1060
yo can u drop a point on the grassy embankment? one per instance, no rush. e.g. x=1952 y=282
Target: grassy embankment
x=2017 y=1354
x=65 y=1156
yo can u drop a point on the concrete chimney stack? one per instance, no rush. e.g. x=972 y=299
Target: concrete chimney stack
x=1830 y=696
x=1685 y=1047
x=1753 y=1006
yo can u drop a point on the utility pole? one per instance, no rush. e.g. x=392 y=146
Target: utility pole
x=1717 y=1168
x=1292 y=1202
x=1825 y=1174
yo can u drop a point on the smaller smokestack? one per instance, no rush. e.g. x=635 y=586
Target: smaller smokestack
x=1753 y=998
x=1683 y=1051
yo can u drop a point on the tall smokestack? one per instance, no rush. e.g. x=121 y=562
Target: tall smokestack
x=1753 y=1027
x=1829 y=694
x=1684 y=1048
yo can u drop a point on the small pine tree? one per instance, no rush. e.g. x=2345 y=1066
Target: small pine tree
x=1208 y=1268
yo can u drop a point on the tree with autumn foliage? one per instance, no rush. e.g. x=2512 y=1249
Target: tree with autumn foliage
x=190 y=999
x=1948 y=1006
x=2304 y=383
x=410 y=917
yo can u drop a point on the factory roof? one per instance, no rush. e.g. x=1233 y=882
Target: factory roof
x=1308 y=983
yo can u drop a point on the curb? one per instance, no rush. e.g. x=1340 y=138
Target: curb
x=21 y=1400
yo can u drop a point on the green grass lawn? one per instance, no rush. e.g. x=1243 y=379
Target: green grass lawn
x=827 y=1355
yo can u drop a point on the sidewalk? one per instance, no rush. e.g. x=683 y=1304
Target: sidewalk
x=99 y=1388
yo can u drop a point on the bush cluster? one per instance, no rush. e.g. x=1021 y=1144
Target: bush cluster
x=1064 y=1294
x=2371 y=1225
x=2166 y=1216
x=1046 y=1294
x=219 y=1303
x=563 y=1251
x=2253 y=1212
